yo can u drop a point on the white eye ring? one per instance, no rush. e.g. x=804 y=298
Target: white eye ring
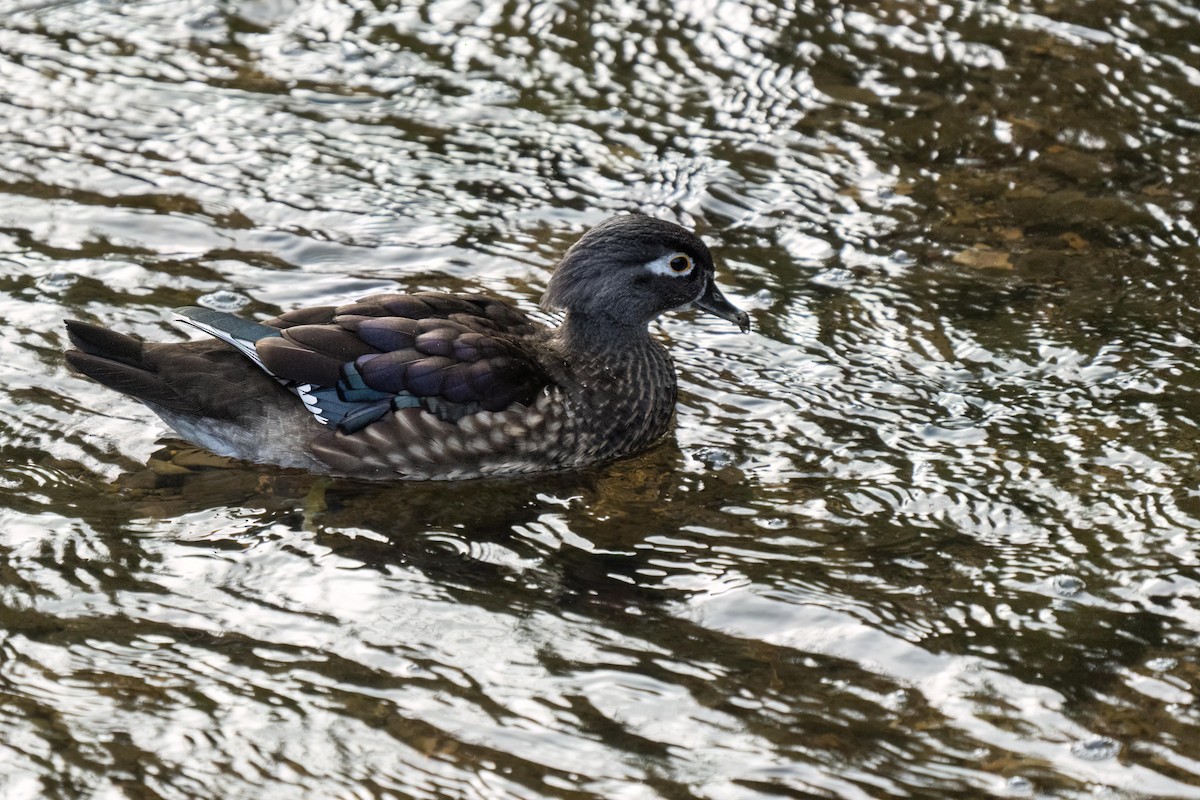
x=674 y=265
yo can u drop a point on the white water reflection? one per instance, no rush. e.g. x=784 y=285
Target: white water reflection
x=1031 y=725
x=927 y=531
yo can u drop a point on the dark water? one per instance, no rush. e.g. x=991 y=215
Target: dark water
x=930 y=531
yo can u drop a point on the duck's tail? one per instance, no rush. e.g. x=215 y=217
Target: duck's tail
x=123 y=363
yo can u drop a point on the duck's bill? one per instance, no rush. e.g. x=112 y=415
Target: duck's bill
x=714 y=302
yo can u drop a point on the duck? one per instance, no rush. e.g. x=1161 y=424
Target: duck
x=433 y=385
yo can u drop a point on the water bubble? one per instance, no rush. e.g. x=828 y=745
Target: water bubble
x=1161 y=664
x=1017 y=786
x=1067 y=585
x=1095 y=748
x=223 y=300
x=56 y=282
x=836 y=278
x=446 y=543
x=714 y=457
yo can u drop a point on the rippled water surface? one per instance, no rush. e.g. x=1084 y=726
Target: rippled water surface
x=931 y=530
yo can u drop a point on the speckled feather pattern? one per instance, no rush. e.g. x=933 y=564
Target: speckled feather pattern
x=602 y=406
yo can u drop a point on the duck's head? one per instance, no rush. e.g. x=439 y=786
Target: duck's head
x=629 y=269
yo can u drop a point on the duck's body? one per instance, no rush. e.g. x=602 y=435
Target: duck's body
x=434 y=386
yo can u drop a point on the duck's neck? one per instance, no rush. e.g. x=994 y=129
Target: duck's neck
x=602 y=335
x=621 y=381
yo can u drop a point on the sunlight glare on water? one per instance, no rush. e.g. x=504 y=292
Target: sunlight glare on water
x=930 y=530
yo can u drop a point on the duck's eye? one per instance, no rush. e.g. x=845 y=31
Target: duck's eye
x=674 y=265
x=680 y=263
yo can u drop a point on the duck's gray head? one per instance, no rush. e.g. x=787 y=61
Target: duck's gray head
x=627 y=270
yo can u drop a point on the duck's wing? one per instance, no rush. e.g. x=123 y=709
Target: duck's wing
x=448 y=355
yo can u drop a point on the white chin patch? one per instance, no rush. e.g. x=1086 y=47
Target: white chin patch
x=662 y=266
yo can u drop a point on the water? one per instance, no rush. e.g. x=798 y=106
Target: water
x=930 y=530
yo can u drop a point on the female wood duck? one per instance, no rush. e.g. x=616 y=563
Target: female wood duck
x=430 y=385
